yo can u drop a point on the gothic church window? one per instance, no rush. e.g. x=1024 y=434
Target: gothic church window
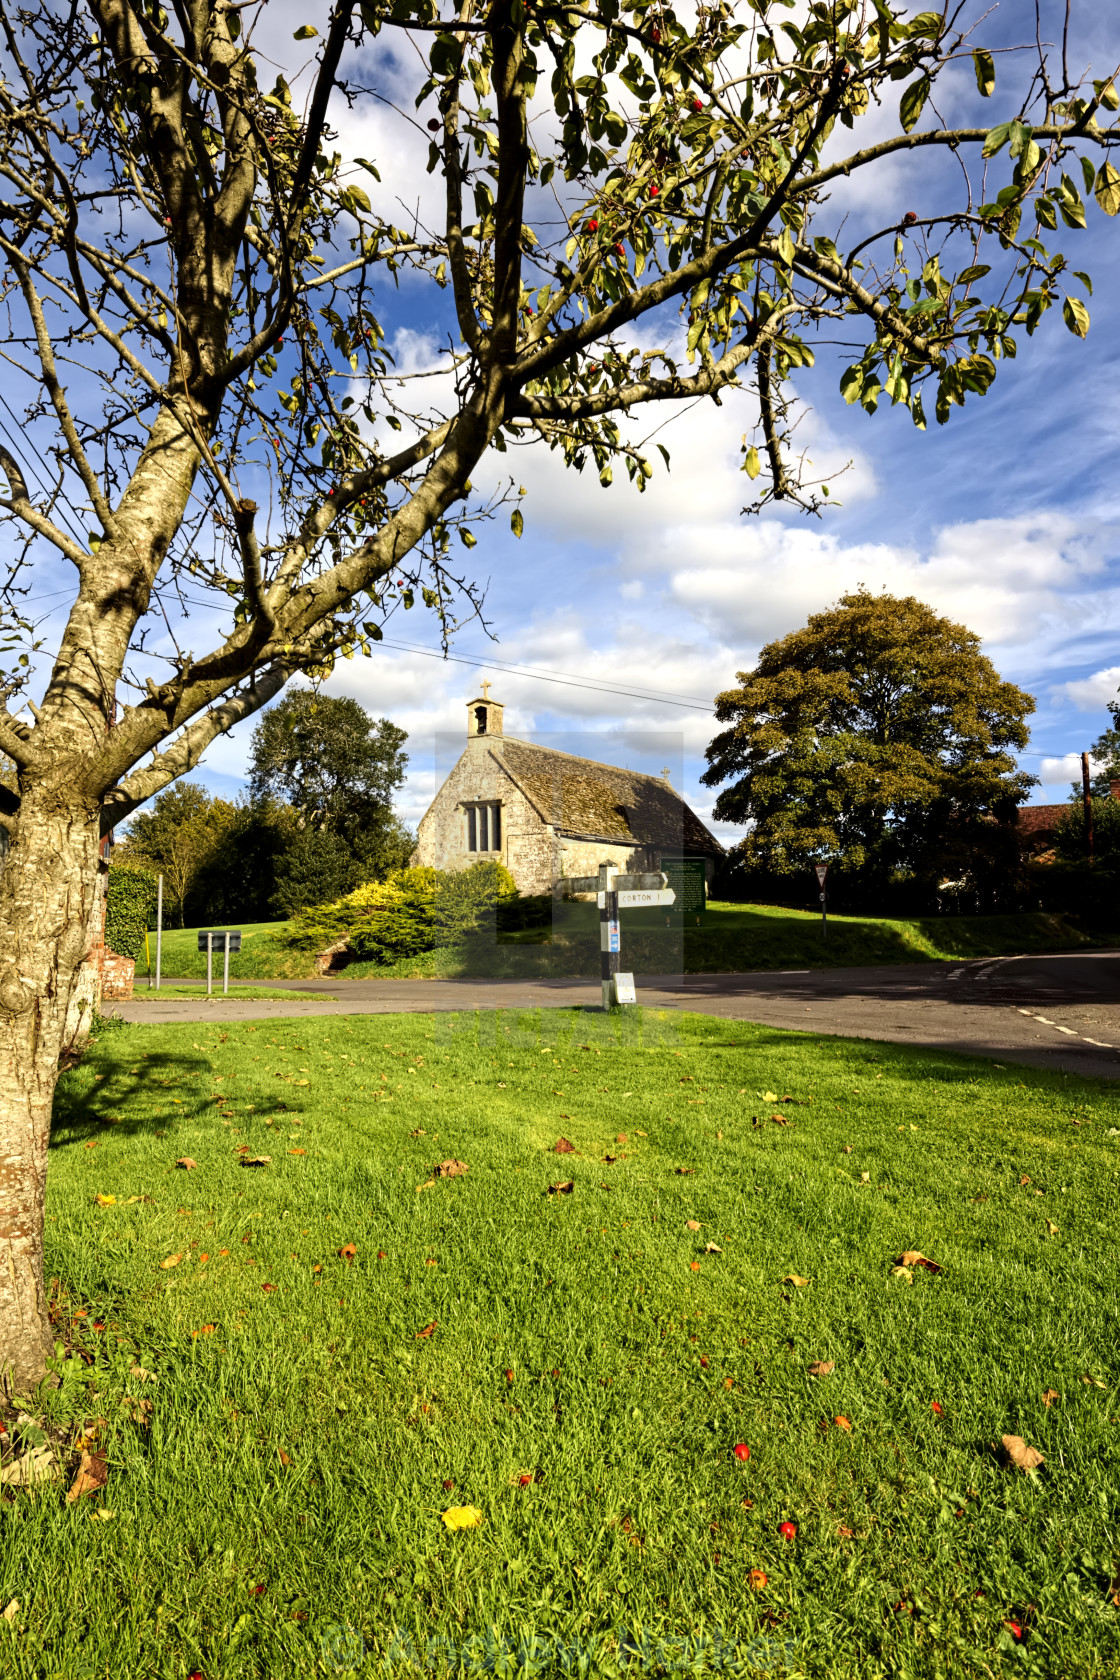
x=484 y=828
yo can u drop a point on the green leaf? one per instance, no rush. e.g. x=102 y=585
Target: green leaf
x=996 y=140
x=1088 y=170
x=516 y=523
x=446 y=55
x=786 y=247
x=1076 y=316
x=357 y=199
x=1107 y=95
x=1079 y=274
x=851 y=383
x=984 y=65
x=467 y=537
x=305 y=32
x=913 y=103
x=929 y=24
x=977 y=272
x=1107 y=190
x=752 y=466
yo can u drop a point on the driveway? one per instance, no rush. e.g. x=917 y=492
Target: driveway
x=1056 y=1011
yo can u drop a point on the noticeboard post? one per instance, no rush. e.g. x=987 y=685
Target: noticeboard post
x=688 y=879
x=218 y=939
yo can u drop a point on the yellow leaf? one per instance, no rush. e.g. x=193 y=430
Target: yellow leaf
x=463 y=1516
x=1051 y=1228
x=769 y=1096
x=793 y=1278
x=105 y=1201
x=172 y=1260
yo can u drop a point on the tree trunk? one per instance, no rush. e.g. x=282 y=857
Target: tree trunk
x=48 y=896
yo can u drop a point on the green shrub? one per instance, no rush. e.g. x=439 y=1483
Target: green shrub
x=130 y=907
x=413 y=911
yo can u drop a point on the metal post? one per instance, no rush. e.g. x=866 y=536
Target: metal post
x=824 y=916
x=209 y=962
x=159 y=929
x=1087 y=796
x=609 y=937
x=225 y=971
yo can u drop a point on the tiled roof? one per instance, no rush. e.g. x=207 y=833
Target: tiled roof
x=602 y=802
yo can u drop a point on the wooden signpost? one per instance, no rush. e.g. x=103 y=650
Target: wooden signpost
x=616 y=891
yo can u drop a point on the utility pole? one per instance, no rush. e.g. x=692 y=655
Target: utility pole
x=1087 y=796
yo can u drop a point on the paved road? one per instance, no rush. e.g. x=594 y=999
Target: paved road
x=1055 y=1011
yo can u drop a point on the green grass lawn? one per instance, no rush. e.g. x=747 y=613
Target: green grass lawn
x=347 y=1347
x=732 y=938
x=239 y=992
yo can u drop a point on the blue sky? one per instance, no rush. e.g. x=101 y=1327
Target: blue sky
x=1006 y=519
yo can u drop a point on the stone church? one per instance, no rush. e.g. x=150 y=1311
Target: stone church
x=544 y=813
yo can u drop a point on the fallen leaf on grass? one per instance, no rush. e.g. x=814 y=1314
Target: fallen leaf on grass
x=564 y=1189
x=37 y=1465
x=11 y=1612
x=1096 y=1382
x=92 y=1474
x=172 y=1260
x=427 y=1185
x=268 y=1288
x=105 y=1201
x=611 y=1160
x=185 y=1161
x=694 y=1265
x=1051 y=1228
x=692 y=1224
x=563 y=1147
x=844 y=1532
x=347 y=1252
x=297 y=1152
x=92 y=1144
x=865 y=1178
x=1049 y=1396
x=451 y=1169
x=256 y=1160
x=712 y=1248
x=463 y=1516
x=141 y=1375
x=1024 y=1180
x=685 y=1172
x=283 y=1457
x=769 y=1096
x=792 y=1277
x=844 y=1424
x=420 y=1132
x=1017 y=1452
x=822 y=1367
x=428 y=1330
x=847 y=1149
x=758 y=1579
x=902 y=1272
x=912 y=1257
x=779 y=1120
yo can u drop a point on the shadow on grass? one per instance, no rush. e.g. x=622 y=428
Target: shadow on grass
x=87 y=1105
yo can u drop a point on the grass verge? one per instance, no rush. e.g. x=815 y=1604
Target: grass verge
x=239 y=993
x=346 y=1346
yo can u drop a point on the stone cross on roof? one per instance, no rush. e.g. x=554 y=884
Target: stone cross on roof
x=485 y=687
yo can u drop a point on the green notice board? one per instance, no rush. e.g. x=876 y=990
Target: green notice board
x=686 y=877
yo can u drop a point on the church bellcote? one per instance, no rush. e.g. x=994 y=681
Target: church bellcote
x=484 y=716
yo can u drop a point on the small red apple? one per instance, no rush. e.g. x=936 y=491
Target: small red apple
x=743 y=1452
x=788 y=1530
x=653 y=191
x=697 y=105
x=655 y=35
x=523 y=1481
x=619 y=250
x=1014 y=1629
x=592 y=226
x=528 y=309
x=447 y=1486
x=910 y=217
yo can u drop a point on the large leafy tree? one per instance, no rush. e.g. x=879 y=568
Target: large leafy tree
x=870 y=737
x=338 y=769
x=191 y=277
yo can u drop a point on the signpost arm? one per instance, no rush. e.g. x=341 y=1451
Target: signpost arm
x=209 y=962
x=159 y=929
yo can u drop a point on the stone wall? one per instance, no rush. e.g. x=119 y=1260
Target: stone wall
x=528 y=846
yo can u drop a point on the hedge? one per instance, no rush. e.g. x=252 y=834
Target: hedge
x=130 y=907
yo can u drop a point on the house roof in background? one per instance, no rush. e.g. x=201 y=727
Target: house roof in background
x=602 y=801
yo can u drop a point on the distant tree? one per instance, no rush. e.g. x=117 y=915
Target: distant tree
x=338 y=769
x=237 y=881
x=874 y=736
x=315 y=867
x=1105 y=754
x=179 y=836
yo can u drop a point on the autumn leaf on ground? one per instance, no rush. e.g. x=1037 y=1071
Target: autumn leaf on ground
x=903 y=1273
x=105 y=1201
x=913 y=1257
x=297 y=1152
x=283 y=1457
x=256 y=1160
x=418 y=1133
x=844 y=1424
x=1051 y=1228
x=845 y=1532
x=347 y=1252
x=1049 y=1396
x=847 y=1149
x=712 y=1248
x=463 y=1516
x=1017 y=1452
x=612 y=1160
x=694 y=1265
x=428 y=1330
x=563 y=1189
x=1096 y=1382
x=769 y=1096
x=92 y=1474
x=822 y=1368
x=11 y=1611
x=427 y=1185
x=792 y=1277
x=185 y=1161
x=563 y=1147
x=172 y=1260
x=685 y=1172
x=692 y=1224
x=451 y=1169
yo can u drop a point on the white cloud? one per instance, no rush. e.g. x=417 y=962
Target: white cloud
x=1092 y=694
